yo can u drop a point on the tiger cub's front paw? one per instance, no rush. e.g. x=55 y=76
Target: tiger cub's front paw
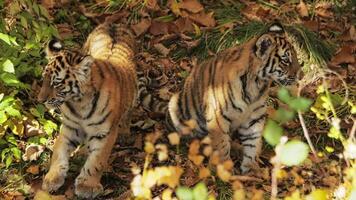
x=53 y=180
x=87 y=188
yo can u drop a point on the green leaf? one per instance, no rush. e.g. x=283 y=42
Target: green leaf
x=184 y=193
x=283 y=115
x=11 y=139
x=200 y=191
x=40 y=109
x=49 y=126
x=3 y=154
x=283 y=95
x=3 y=117
x=8 y=161
x=13 y=112
x=10 y=79
x=8 y=39
x=8 y=66
x=23 y=21
x=294 y=153
x=300 y=104
x=16 y=152
x=272 y=132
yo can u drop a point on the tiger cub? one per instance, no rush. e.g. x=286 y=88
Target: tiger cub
x=95 y=89
x=225 y=95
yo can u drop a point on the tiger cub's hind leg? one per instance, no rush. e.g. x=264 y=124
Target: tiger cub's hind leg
x=87 y=184
x=67 y=141
x=250 y=135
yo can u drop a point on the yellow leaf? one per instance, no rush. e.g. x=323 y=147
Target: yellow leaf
x=239 y=194
x=175 y=7
x=171 y=175
x=149 y=148
x=207 y=151
x=174 y=138
x=295 y=196
x=162 y=152
x=196 y=159
x=228 y=164
x=42 y=195
x=194 y=148
x=204 y=172
x=167 y=194
x=318 y=194
x=206 y=140
x=215 y=158
x=149 y=179
x=223 y=174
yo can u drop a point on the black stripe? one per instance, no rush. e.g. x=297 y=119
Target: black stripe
x=245 y=155
x=187 y=114
x=245 y=96
x=243 y=139
x=88 y=172
x=69 y=119
x=259 y=107
x=70 y=127
x=97 y=137
x=94 y=103
x=71 y=109
x=224 y=116
x=106 y=102
x=249 y=145
x=232 y=97
x=72 y=142
x=180 y=106
x=100 y=121
x=254 y=121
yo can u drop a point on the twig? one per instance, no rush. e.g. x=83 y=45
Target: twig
x=276 y=167
x=306 y=133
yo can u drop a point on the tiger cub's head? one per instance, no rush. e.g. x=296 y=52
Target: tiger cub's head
x=64 y=74
x=278 y=56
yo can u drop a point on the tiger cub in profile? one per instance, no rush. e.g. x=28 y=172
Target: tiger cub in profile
x=95 y=89
x=225 y=95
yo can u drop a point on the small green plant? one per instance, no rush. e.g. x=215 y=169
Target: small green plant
x=24 y=29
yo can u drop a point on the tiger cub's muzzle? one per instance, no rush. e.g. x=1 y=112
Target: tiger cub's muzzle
x=48 y=95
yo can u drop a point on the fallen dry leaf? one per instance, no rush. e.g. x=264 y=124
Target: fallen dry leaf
x=184 y=24
x=159 y=28
x=161 y=49
x=141 y=27
x=345 y=55
x=32 y=152
x=322 y=9
x=33 y=169
x=204 y=19
x=302 y=9
x=193 y=6
x=152 y=5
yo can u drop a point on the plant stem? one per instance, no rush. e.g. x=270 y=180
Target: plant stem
x=305 y=132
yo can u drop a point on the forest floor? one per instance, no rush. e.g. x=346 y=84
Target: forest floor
x=174 y=36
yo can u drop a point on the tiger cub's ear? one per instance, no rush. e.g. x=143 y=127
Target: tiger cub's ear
x=53 y=47
x=264 y=46
x=83 y=68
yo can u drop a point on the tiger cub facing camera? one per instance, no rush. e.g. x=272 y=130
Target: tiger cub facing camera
x=225 y=95
x=95 y=89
